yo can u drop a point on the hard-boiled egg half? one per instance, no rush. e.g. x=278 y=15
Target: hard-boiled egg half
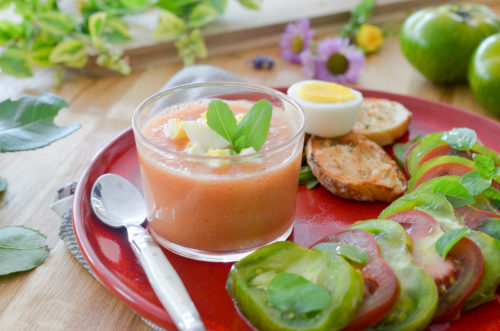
x=331 y=109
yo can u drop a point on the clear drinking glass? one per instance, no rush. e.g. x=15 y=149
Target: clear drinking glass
x=218 y=208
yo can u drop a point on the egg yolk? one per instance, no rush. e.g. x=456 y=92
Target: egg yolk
x=324 y=92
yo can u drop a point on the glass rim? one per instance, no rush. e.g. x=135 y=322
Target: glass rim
x=249 y=86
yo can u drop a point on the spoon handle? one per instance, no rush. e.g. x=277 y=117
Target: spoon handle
x=164 y=280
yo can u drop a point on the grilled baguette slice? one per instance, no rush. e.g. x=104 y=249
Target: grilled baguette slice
x=354 y=167
x=382 y=121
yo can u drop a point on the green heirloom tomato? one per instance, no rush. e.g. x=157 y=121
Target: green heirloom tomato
x=252 y=285
x=439 y=41
x=484 y=74
x=418 y=296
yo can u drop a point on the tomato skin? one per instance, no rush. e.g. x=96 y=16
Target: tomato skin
x=439 y=41
x=484 y=74
x=465 y=257
x=384 y=291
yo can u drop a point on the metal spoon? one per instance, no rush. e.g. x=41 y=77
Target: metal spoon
x=118 y=203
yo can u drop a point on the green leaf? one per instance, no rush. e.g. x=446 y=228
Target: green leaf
x=484 y=165
x=239 y=144
x=446 y=242
x=135 y=4
x=96 y=24
x=294 y=294
x=40 y=57
x=20 y=237
x=9 y=31
x=169 y=26
x=219 y=5
x=474 y=182
x=312 y=184
x=15 y=62
x=255 y=125
x=491 y=226
x=201 y=15
x=461 y=139
x=55 y=22
x=494 y=195
x=250 y=4
x=115 y=31
x=358 y=16
x=45 y=39
x=496 y=174
x=305 y=175
x=3 y=184
x=400 y=150
x=191 y=47
x=69 y=52
x=221 y=119
x=28 y=123
x=20 y=249
x=455 y=192
x=350 y=252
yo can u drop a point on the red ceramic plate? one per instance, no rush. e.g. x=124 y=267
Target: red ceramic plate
x=318 y=214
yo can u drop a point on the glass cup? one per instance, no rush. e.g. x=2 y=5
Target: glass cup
x=218 y=208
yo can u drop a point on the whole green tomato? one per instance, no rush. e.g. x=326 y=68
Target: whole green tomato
x=439 y=41
x=484 y=74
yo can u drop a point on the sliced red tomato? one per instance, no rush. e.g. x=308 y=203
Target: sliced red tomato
x=381 y=284
x=440 y=166
x=473 y=216
x=457 y=276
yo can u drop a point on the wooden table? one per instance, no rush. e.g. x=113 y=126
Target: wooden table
x=60 y=294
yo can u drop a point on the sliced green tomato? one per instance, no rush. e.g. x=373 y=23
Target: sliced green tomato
x=457 y=276
x=432 y=146
x=418 y=298
x=381 y=284
x=432 y=203
x=490 y=248
x=249 y=279
x=440 y=166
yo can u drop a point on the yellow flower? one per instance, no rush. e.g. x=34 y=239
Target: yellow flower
x=369 y=38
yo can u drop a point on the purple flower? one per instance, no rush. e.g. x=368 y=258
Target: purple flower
x=296 y=39
x=336 y=61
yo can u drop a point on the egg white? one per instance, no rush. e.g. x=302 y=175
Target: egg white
x=328 y=119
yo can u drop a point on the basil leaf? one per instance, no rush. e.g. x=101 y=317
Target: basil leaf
x=221 y=119
x=239 y=144
x=20 y=249
x=400 y=150
x=294 y=294
x=115 y=31
x=491 y=226
x=15 y=62
x=484 y=165
x=474 y=183
x=255 y=125
x=350 y=252
x=494 y=195
x=461 y=139
x=312 y=184
x=446 y=242
x=40 y=57
x=28 y=123
x=169 y=26
x=3 y=184
x=496 y=174
x=305 y=175
x=54 y=22
x=455 y=192
x=96 y=24
x=201 y=15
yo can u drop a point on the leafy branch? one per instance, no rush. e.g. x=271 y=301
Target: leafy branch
x=51 y=37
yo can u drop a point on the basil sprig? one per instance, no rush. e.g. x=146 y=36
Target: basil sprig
x=250 y=132
x=479 y=180
x=461 y=139
x=446 y=242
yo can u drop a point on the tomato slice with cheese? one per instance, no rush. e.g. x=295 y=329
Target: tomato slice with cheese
x=457 y=276
x=381 y=284
x=473 y=216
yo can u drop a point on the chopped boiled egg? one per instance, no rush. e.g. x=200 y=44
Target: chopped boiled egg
x=216 y=163
x=175 y=129
x=331 y=109
x=195 y=149
x=200 y=133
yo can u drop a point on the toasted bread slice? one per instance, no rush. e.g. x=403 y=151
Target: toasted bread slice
x=382 y=121
x=354 y=167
